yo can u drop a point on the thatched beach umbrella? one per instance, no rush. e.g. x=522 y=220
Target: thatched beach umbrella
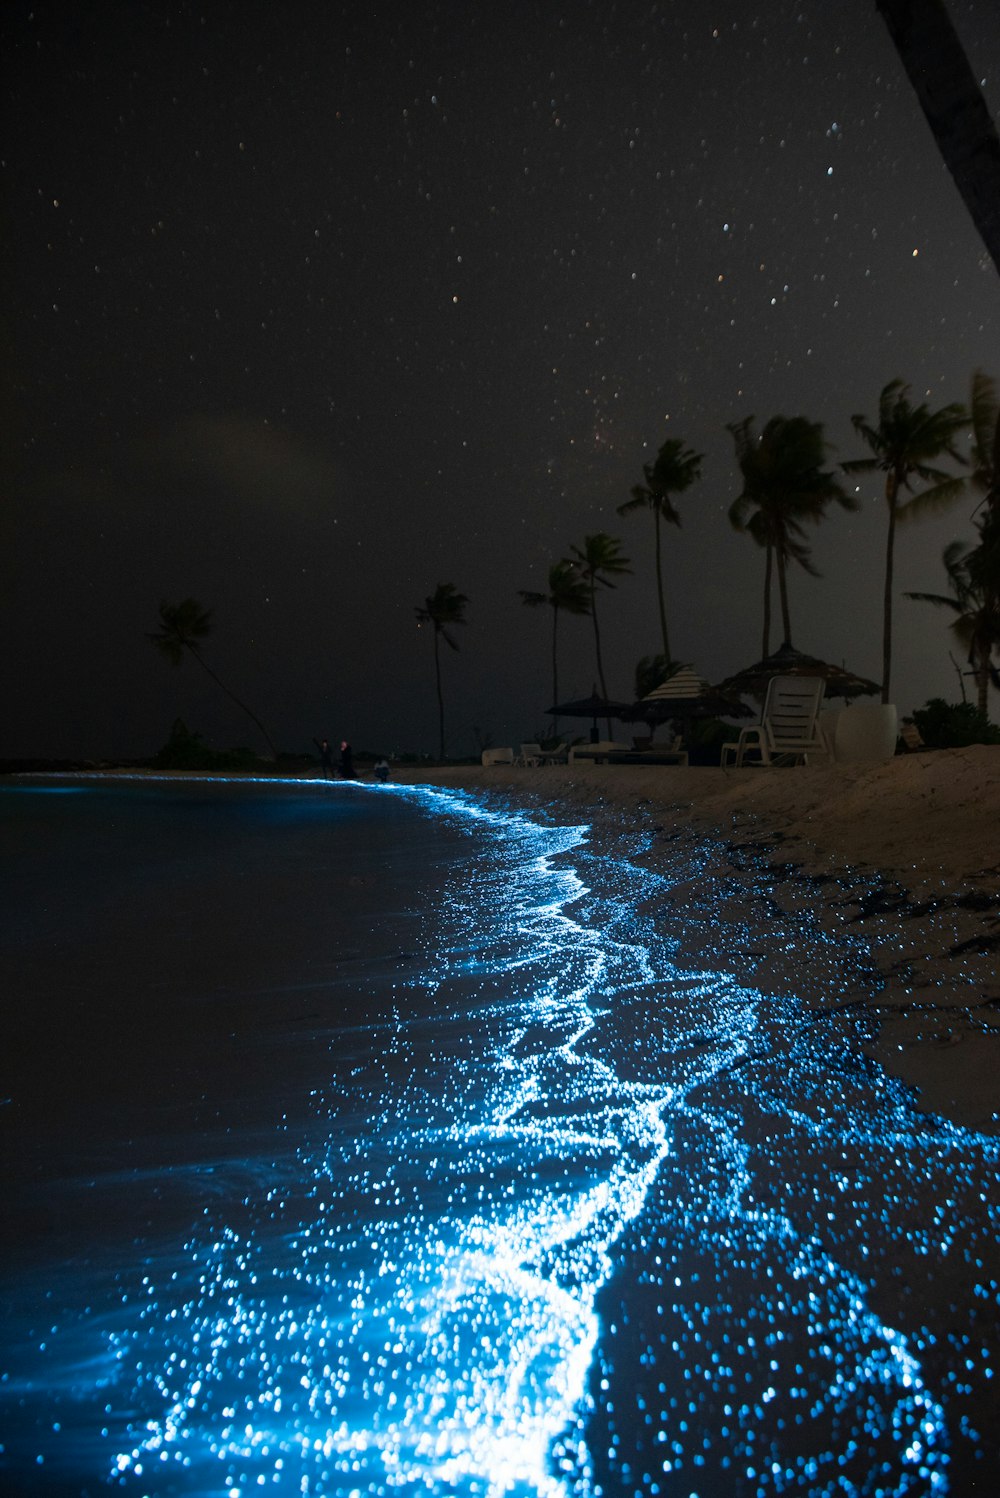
x=683 y=696
x=787 y=661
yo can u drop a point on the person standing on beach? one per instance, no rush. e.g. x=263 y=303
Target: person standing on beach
x=325 y=757
x=346 y=761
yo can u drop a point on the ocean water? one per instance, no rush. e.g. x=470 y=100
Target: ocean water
x=375 y=1140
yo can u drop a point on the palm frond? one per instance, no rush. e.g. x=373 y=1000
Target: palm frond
x=938 y=497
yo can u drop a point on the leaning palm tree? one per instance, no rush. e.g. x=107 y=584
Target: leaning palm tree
x=444 y=607
x=906 y=442
x=567 y=591
x=597 y=561
x=676 y=468
x=182 y=627
x=953 y=105
x=976 y=624
x=784 y=485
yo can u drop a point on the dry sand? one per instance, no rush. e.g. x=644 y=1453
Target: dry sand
x=905 y=854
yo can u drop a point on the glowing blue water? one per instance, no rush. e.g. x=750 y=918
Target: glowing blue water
x=407 y=1158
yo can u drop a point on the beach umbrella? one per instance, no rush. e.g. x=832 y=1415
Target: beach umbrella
x=787 y=661
x=685 y=695
x=593 y=707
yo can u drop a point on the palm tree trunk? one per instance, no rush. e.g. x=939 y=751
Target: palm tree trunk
x=555 y=665
x=233 y=698
x=786 y=623
x=768 y=563
x=891 y=489
x=982 y=671
x=659 y=587
x=440 y=697
x=597 y=645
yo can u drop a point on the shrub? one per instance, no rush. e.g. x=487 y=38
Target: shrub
x=952 y=725
x=185 y=750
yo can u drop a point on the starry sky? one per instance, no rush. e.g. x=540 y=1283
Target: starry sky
x=309 y=307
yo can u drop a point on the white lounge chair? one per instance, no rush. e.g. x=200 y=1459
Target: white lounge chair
x=498 y=756
x=789 y=727
x=529 y=756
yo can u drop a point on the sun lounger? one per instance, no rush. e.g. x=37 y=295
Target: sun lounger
x=788 y=729
x=647 y=757
x=597 y=752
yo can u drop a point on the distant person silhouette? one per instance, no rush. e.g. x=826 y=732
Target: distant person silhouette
x=381 y=771
x=325 y=757
x=346 y=761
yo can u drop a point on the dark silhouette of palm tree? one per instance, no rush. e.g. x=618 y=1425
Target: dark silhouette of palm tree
x=976 y=624
x=652 y=671
x=784 y=486
x=182 y=627
x=974 y=572
x=445 y=607
x=597 y=561
x=568 y=592
x=906 y=441
x=953 y=105
x=676 y=468
x=984 y=407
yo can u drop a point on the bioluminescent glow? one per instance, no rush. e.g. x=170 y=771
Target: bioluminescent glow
x=576 y=1220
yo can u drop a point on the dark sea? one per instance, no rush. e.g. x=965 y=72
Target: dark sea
x=376 y=1140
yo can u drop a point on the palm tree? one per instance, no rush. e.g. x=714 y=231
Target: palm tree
x=977 y=616
x=953 y=104
x=784 y=485
x=182 y=626
x=985 y=414
x=906 y=442
x=444 y=607
x=675 y=469
x=597 y=561
x=650 y=672
x=567 y=591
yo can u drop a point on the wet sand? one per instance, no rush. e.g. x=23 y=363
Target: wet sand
x=903 y=857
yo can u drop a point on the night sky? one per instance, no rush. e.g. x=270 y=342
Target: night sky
x=311 y=306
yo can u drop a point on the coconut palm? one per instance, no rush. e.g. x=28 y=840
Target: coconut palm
x=985 y=414
x=567 y=591
x=906 y=442
x=182 y=627
x=651 y=671
x=784 y=486
x=445 y=607
x=597 y=561
x=976 y=624
x=676 y=468
x=953 y=104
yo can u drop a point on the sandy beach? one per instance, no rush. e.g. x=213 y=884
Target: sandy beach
x=386 y=1065
x=904 y=856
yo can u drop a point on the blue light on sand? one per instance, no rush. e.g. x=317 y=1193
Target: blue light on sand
x=582 y=1223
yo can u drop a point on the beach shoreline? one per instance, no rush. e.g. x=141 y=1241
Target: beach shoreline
x=900 y=858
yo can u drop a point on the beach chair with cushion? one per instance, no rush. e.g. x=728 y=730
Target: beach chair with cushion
x=529 y=755
x=498 y=756
x=789 y=728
